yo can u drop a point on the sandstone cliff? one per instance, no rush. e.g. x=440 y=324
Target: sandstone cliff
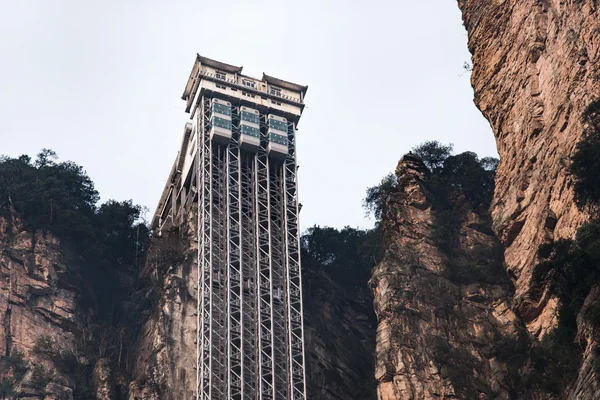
x=340 y=336
x=164 y=355
x=439 y=331
x=43 y=329
x=536 y=66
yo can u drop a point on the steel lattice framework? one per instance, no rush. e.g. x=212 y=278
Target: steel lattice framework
x=250 y=330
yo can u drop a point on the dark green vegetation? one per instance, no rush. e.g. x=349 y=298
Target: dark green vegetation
x=459 y=184
x=458 y=177
x=101 y=244
x=12 y=370
x=339 y=316
x=585 y=162
x=571 y=268
x=59 y=197
x=347 y=254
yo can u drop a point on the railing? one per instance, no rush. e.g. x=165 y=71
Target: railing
x=212 y=75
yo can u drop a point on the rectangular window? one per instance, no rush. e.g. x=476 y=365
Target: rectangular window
x=221 y=75
x=276 y=102
x=275 y=91
x=250 y=131
x=250 y=117
x=278 y=125
x=221 y=123
x=279 y=139
x=221 y=109
x=221 y=86
x=248 y=83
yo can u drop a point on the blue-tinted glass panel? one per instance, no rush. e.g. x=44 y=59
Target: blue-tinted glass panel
x=221 y=122
x=279 y=139
x=250 y=117
x=280 y=126
x=221 y=109
x=251 y=131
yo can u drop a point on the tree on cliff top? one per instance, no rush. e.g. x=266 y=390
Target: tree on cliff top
x=463 y=173
x=59 y=197
x=433 y=153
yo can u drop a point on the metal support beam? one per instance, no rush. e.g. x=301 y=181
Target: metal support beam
x=250 y=332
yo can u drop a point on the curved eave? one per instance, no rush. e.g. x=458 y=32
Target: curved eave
x=285 y=84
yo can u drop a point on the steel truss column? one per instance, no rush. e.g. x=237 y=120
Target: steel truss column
x=204 y=347
x=264 y=286
x=219 y=272
x=279 y=301
x=250 y=329
x=293 y=278
x=249 y=269
x=235 y=278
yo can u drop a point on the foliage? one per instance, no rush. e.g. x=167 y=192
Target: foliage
x=585 y=163
x=16 y=363
x=100 y=242
x=568 y=272
x=460 y=183
x=44 y=345
x=49 y=195
x=377 y=196
x=591 y=115
x=433 y=154
x=348 y=254
x=458 y=175
x=465 y=173
x=7 y=387
x=67 y=362
x=59 y=197
x=555 y=361
x=40 y=377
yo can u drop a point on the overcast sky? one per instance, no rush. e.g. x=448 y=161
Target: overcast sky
x=101 y=83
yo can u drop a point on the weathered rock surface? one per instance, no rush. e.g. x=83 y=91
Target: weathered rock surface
x=437 y=338
x=536 y=66
x=164 y=358
x=340 y=338
x=37 y=299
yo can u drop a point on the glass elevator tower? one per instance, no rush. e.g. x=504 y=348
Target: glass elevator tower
x=237 y=165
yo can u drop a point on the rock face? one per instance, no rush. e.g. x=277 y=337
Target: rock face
x=536 y=66
x=437 y=338
x=37 y=300
x=339 y=327
x=164 y=356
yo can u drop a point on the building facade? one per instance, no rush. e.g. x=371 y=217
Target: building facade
x=237 y=165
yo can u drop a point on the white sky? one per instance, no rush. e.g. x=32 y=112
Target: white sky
x=101 y=83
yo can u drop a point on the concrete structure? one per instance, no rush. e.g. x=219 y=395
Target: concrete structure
x=237 y=164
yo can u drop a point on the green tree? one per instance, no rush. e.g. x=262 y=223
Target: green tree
x=60 y=197
x=585 y=163
x=377 y=196
x=433 y=153
x=465 y=173
x=348 y=254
